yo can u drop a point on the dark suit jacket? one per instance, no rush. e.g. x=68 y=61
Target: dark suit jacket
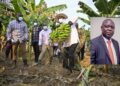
x=99 y=51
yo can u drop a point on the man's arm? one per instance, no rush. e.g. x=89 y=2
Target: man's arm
x=93 y=51
x=9 y=31
x=26 y=32
x=75 y=20
x=40 y=38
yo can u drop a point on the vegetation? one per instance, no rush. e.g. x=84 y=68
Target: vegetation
x=46 y=15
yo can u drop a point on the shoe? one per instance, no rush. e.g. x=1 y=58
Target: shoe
x=34 y=64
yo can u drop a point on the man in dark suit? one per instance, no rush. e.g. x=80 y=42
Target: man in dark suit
x=104 y=49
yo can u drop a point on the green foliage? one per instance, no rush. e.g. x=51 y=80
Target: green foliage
x=5 y=11
x=87 y=9
x=61 y=33
x=56 y=8
x=85 y=76
x=85 y=20
x=41 y=12
x=104 y=8
x=3 y=30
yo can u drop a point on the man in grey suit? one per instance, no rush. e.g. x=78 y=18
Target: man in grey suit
x=104 y=49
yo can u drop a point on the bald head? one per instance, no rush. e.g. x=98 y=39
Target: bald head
x=107 y=28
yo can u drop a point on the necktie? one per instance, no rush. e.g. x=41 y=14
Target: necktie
x=110 y=52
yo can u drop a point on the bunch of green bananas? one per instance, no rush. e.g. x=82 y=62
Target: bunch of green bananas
x=61 y=33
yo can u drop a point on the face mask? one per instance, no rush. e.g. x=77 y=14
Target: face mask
x=35 y=23
x=57 y=24
x=20 y=18
x=62 y=20
x=45 y=27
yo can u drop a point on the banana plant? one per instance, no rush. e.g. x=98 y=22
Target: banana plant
x=5 y=12
x=38 y=12
x=105 y=8
x=85 y=72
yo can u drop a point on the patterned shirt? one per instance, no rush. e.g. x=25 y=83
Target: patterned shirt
x=35 y=34
x=17 y=31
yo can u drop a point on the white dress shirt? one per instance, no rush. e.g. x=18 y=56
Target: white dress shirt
x=44 y=37
x=74 y=38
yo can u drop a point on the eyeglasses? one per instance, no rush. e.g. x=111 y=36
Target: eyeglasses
x=107 y=26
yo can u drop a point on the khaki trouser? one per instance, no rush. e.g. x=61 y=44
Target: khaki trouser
x=22 y=47
x=46 y=49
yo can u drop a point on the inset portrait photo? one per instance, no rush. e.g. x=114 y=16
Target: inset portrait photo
x=105 y=40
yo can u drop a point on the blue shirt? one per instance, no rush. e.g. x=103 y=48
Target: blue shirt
x=17 y=31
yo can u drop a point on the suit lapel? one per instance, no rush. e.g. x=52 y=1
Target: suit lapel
x=104 y=46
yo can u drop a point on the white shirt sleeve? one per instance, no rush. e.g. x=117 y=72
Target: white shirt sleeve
x=40 y=38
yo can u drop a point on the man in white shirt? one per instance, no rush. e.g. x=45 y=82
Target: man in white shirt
x=44 y=41
x=70 y=46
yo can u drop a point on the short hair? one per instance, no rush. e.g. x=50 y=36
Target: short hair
x=19 y=14
x=106 y=21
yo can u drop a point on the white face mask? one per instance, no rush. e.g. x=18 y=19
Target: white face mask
x=35 y=23
x=62 y=20
x=20 y=18
x=45 y=27
x=57 y=23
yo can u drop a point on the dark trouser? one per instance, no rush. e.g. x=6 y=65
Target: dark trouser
x=36 y=50
x=69 y=58
x=54 y=50
x=8 y=49
x=82 y=50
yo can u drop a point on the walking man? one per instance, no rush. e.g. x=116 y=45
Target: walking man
x=17 y=33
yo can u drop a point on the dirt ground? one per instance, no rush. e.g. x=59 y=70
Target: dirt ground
x=40 y=75
x=52 y=75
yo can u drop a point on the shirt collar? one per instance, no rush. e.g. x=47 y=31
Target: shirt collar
x=105 y=39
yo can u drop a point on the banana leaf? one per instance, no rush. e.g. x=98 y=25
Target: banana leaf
x=56 y=8
x=85 y=20
x=88 y=10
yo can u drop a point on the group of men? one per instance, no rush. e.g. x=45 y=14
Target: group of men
x=17 y=35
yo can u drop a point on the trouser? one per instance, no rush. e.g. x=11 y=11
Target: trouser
x=8 y=49
x=69 y=58
x=36 y=50
x=46 y=49
x=22 y=47
x=82 y=50
x=54 y=50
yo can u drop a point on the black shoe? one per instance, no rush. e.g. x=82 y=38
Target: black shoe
x=25 y=63
x=65 y=66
